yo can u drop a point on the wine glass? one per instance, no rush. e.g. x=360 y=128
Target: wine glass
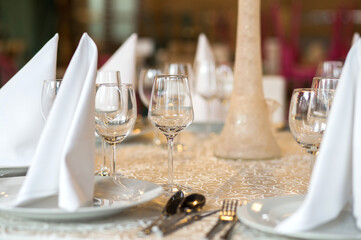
x=308 y=114
x=145 y=90
x=224 y=77
x=171 y=111
x=106 y=76
x=331 y=69
x=324 y=83
x=115 y=115
x=48 y=94
x=180 y=68
x=206 y=85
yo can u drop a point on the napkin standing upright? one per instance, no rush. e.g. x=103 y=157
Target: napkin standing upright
x=336 y=177
x=123 y=60
x=21 y=123
x=204 y=54
x=63 y=164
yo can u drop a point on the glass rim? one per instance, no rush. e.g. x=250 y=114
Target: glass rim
x=53 y=80
x=130 y=85
x=171 y=76
x=313 y=90
x=327 y=78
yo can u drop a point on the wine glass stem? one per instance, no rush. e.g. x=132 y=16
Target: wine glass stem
x=170 y=161
x=114 y=156
x=103 y=165
x=208 y=123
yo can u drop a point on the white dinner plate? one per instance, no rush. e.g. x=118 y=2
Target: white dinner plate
x=109 y=198
x=265 y=214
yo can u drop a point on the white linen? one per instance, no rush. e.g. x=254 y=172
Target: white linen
x=355 y=38
x=63 y=164
x=337 y=173
x=217 y=110
x=21 y=122
x=124 y=60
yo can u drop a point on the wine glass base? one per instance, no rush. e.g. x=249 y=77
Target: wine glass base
x=171 y=189
x=102 y=172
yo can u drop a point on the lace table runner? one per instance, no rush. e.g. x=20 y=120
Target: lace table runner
x=196 y=168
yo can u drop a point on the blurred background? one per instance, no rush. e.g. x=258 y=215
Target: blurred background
x=296 y=34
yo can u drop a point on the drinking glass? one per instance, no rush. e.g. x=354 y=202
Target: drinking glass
x=48 y=94
x=331 y=69
x=308 y=114
x=106 y=76
x=180 y=68
x=145 y=90
x=324 y=83
x=206 y=85
x=171 y=111
x=115 y=115
x=224 y=77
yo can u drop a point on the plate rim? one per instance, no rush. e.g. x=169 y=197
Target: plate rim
x=242 y=214
x=52 y=213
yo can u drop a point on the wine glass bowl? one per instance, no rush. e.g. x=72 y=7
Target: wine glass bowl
x=308 y=114
x=224 y=77
x=171 y=111
x=115 y=115
x=48 y=94
x=331 y=69
x=146 y=83
x=324 y=82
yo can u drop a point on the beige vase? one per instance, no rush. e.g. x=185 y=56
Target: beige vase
x=247 y=132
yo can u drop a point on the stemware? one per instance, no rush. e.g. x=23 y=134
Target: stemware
x=308 y=114
x=206 y=85
x=145 y=89
x=106 y=76
x=331 y=69
x=324 y=83
x=224 y=77
x=171 y=111
x=48 y=94
x=115 y=115
x=180 y=68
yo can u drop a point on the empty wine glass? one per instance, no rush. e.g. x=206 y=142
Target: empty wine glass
x=308 y=114
x=145 y=90
x=331 y=69
x=106 y=76
x=48 y=94
x=179 y=68
x=206 y=85
x=324 y=83
x=171 y=111
x=115 y=115
x=224 y=77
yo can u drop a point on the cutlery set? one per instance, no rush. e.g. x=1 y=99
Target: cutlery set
x=181 y=210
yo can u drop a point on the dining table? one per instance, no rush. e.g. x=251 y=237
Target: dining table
x=196 y=167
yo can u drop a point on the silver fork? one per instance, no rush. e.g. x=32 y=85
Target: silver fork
x=226 y=215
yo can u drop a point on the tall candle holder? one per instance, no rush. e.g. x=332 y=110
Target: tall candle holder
x=247 y=132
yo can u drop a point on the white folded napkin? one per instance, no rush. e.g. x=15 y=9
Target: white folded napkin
x=218 y=111
x=124 y=60
x=21 y=122
x=355 y=38
x=63 y=163
x=336 y=178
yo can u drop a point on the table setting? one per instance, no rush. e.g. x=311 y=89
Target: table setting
x=79 y=162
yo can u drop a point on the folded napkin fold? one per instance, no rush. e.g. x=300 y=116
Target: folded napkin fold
x=336 y=178
x=63 y=163
x=21 y=123
x=124 y=60
x=204 y=54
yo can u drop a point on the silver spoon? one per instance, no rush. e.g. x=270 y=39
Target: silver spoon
x=191 y=204
x=169 y=209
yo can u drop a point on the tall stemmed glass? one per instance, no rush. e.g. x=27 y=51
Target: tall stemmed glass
x=308 y=114
x=224 y=77
x=331 y=69
x=115 y=115
x=106 y=76
x=171 y=111
x=324 y=83
x=48 y=94
x=146 y=79
x=180 y=68
x=206 y=85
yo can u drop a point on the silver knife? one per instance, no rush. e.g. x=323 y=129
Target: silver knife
x=186 y=221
